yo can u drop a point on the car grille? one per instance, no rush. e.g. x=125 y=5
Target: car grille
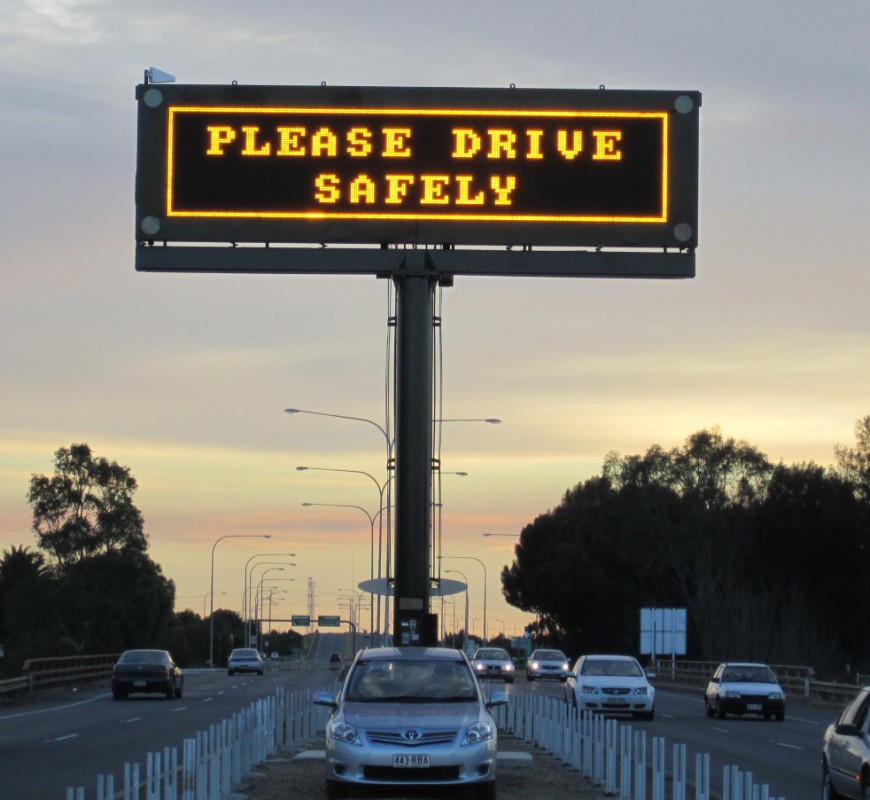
x=615 y=690
x=400 y=739
x=404 y=775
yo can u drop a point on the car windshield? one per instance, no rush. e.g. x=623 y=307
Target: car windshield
x=407 y=681
x=548 y=655
x=143 y=657
x=748 y=674
x=492 y=655
x=613 y=667
x=244 y=654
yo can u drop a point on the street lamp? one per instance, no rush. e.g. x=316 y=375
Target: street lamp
x=245 y=609
x=380 y=487
x=211 y=590
x=371 y=518
x=390 y=443
x=465 y=633
x=473 y=558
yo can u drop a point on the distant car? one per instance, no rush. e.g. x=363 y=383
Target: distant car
x=146 y=671
x=275 y=655
x=610 y=683
x=846 y=752
x=245 y=659
x=334 y=661
x=410 y=717
x=493 y=662
x=744 y=688
x=547 y=664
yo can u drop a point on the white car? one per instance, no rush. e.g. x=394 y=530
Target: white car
x=411 y=717
x=547 y=664
x=846 y=752
x=610 y=683
x=744 y=688
x=493 y=662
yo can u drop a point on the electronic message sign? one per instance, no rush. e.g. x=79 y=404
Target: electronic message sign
x=442 y=167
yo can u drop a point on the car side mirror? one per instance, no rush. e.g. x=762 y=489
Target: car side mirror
x=497 y=699
x=325 y=699
x=847 y=730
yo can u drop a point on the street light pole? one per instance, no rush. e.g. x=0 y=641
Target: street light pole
x=380 y=487
x=473 y=558
x=211 y=590
x=465 y=632
x=390 y=443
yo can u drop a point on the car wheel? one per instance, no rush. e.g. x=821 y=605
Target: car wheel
x=117 y=694
x=259 y=672
x=720 y=712
x=335 y=789
x=170 y=692
x=530 y=678
x=508 y=680
x=780 y=716
x=178 y=692
x=648 y=715
x=828 y=791
x=708 y=707
x=230 y=672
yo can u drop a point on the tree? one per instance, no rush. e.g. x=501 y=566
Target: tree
x=855 y=461
x=85 y=508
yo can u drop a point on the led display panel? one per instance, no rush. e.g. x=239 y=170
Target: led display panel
x=417 y=166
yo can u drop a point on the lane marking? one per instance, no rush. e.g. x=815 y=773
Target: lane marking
x=64 y=738
x=53 y=708
x=789 y=746
x=131 y=719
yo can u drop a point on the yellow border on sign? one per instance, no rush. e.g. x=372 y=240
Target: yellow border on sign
x=416 y=216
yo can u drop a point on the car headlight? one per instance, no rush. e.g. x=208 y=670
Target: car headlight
x=343 y=732
x=479 y=732
x=642 y=690
x=565 y=667
x=732 y=693
x=478 y=667
x=508 y=667
x=589 y=689
x=533 y=664
x=776 y=696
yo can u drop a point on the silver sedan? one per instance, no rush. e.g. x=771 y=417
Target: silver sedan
x=411 y=716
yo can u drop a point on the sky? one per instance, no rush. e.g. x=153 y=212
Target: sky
x=184 y=378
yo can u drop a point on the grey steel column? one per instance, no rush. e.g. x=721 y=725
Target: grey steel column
x=414 y=385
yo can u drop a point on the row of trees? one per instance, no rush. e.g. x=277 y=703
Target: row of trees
x=769 y=560
x=90 y=586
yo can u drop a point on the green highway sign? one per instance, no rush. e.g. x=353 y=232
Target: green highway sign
x=300 y=620
x=328 y=622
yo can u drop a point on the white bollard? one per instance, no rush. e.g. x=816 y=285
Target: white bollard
x=658 y=768
x=679 y=772
x=625 y=762
x=640 y=765
x=702 y=776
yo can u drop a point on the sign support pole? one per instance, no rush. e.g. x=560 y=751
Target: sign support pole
x=414 y=387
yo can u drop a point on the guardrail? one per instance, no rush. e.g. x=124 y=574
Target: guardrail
x=41 y=673
x=796 y=680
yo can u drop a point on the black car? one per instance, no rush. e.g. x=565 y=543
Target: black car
x=146 y=672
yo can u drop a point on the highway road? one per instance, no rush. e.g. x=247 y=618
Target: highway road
x=51 y=743
x=68 y=739
x=784 y=755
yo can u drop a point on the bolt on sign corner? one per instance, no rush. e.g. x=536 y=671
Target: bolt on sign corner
x=380 y=165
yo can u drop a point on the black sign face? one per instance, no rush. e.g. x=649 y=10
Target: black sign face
x=443 y=167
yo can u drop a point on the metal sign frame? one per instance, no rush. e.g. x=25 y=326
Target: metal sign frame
x=242 y=164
